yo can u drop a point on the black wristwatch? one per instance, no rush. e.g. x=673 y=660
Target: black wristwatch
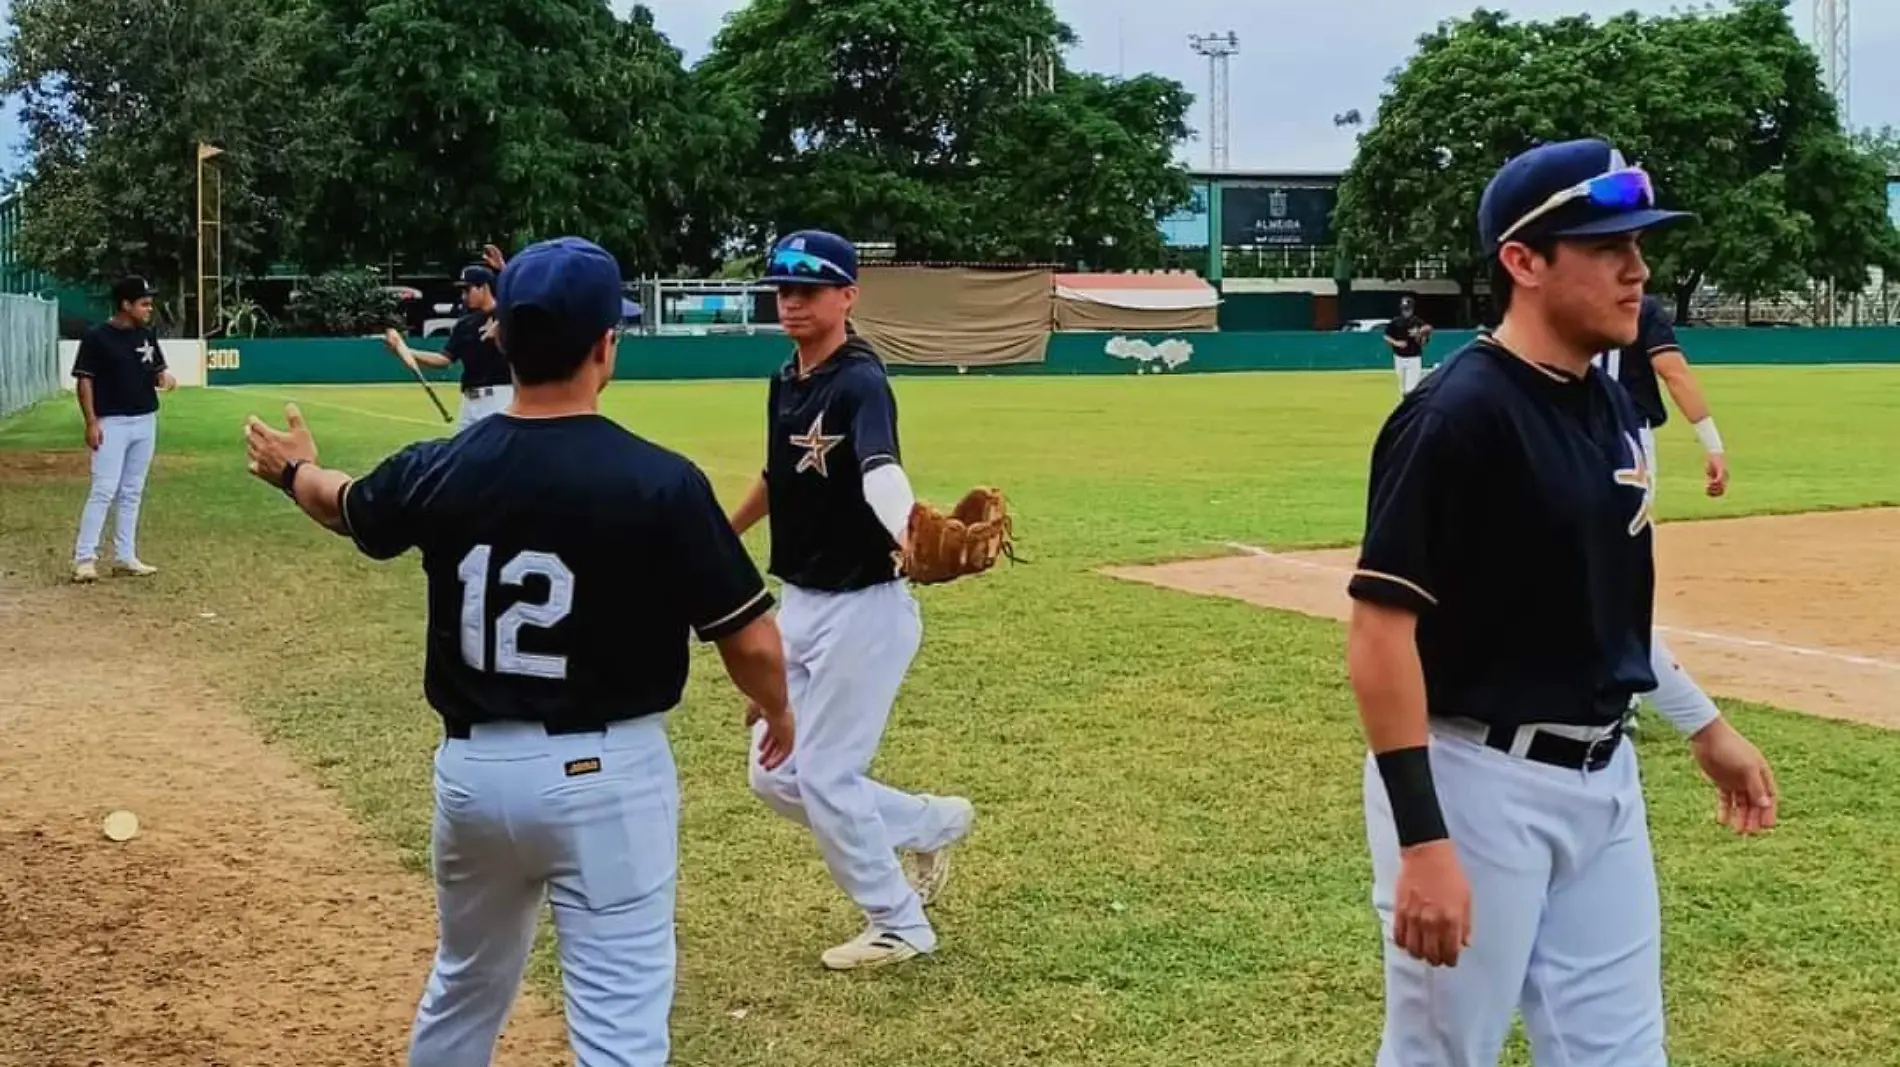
x=287 y=481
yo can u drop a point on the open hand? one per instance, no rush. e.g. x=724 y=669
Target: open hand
x=492 y=256
x=271 y=450
x=1717 y=469
x=775 y=743
x=166 y=383
x=1432 y=915
x=1745 y=787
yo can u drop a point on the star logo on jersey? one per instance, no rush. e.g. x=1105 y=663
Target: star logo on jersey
x=817 y=444
x=145 y=351
x=1638 y=476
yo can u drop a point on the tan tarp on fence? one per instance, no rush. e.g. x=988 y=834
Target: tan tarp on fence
x=1169 y=302
x=949 y=316
x=1090 y=315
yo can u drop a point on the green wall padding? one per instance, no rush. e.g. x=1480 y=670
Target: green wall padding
x=364 y=360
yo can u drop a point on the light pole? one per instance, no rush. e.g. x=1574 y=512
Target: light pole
x=212 y=221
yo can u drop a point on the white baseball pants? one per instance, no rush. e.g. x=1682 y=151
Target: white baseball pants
x=519 y=814
x=119 y=469
x=845 y=658
x=1411 y=370
x=1566 y=922
x=490 y=400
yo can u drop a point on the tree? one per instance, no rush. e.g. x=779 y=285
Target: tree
x=1726 y=111
x=114 y=97
x=948 y=127
x=510 y=122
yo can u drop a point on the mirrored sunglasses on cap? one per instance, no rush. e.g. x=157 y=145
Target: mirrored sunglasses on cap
x=791 y=263
x=1623 y=189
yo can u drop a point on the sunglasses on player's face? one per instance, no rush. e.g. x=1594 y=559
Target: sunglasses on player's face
x=1619 y=190
x=795 y=264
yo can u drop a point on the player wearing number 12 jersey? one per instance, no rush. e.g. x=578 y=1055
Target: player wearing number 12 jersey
x=567 y=562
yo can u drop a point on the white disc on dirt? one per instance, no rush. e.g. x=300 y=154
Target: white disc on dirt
x=122 y=826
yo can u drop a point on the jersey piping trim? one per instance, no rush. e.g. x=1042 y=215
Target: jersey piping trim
x=1665 y=348
x=343 y=512
x=735 y=613
x=1396 y=580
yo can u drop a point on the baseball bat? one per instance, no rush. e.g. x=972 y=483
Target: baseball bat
x=429 y=389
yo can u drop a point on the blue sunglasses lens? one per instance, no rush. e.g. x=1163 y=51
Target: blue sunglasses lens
x=1622 y=190
x=805 y=265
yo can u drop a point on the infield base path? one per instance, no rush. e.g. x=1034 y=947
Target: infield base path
x=1797 y=611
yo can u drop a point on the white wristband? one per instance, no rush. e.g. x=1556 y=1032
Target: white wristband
x=1706 y=433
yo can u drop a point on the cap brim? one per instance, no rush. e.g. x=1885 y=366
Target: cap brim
x=827 y=283
x=1627 y=222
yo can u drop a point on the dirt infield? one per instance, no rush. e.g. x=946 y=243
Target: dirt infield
x=248 y=923
x=1797 y=611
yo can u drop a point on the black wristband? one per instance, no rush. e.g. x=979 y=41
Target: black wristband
x=287 y=481
x=1408 y=785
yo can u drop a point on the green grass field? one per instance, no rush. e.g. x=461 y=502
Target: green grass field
x=1169 y=865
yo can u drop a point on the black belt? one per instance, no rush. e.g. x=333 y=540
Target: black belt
x=1544 y=743
x=1560 y=751
x=461 y=731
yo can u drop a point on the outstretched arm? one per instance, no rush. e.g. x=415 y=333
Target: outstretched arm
x=408 y=355
x=287 y=459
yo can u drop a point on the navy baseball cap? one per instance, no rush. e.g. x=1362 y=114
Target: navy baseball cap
x=1570 y=189
x=130 y=289
x=812 y=257
x=476 y=274
x=571 y=280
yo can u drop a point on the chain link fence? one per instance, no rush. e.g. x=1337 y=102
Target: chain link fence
x=29 y=351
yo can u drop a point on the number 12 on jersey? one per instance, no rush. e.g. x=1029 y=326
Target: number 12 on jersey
x=509 y=659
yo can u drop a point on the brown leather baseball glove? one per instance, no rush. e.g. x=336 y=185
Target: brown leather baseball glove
x=965 y=541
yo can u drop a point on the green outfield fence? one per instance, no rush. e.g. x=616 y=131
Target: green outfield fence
x=29 y=351
x=365 y=360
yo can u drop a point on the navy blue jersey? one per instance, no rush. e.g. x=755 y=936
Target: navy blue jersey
x=1405 y=330
x=1631 y=367
x=828 y=431
x=124 y=364
x=1509 y=508
x=482 y=361
x=567 y=560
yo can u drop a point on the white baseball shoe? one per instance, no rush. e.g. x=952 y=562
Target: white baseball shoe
x=932 y=869
x=872 y=948
x=134 y=568
x=86 y=572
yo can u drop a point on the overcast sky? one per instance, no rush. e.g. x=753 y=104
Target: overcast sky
x=1300 y=62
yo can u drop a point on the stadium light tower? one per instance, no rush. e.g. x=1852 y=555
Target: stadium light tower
x=1831 y=43
x=1216 y=47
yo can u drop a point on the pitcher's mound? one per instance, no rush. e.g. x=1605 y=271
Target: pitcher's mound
x=1797 y=611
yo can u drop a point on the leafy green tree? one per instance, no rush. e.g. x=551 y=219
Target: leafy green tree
x=948 y=127
x=114 y=97
x=513 y=121
x=1726 y=110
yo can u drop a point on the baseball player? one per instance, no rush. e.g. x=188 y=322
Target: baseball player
x=119 y=372
x=1657 y=355
x=1406 y=335
x=1500 y=626
x=839 y=505
x=567 y=560
x=486 y=386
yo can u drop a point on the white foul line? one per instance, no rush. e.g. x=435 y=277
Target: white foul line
x=365 y=412
x=1703 y=635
